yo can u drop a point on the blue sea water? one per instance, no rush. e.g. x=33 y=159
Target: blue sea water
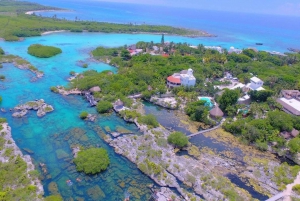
x=240 y=30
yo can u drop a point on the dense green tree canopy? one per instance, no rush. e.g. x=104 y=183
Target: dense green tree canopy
x=260 y=96
x=92 y=161
x=178 y=139
x=294 y=145
x=42 y=51
x=149 y=120
x=228 y=98
x=104 y=106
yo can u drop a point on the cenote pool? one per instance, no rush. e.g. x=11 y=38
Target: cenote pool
x=49 y=139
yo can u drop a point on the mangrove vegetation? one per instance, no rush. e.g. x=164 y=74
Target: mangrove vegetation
x=43 y=51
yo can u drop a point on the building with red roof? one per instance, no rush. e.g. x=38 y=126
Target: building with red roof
x=184 y=78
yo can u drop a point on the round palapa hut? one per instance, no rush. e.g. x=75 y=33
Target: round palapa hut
x=216 y=112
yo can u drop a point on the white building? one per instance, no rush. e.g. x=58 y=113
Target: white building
x=234 y=50
x=188 y=79
x=217 y=48
x=255 y=84
x=184 y=78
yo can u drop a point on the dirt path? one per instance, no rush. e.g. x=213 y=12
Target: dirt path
x=289 y=189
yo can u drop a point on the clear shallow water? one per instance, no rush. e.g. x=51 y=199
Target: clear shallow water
x=233 y=29
x=51 y=137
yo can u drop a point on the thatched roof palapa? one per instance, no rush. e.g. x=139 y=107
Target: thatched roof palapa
x=216 y=112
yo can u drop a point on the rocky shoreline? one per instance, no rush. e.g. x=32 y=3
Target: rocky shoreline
x=10 y=144
x=21 y=64
x=201 y=170
x=39 y=105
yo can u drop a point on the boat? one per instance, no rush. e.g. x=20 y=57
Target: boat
x=258 y=43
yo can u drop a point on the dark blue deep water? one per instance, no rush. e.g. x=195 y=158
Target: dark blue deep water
x=233 y=29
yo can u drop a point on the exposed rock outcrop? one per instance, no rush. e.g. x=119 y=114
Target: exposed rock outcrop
x=40 y=106
x=9 y=143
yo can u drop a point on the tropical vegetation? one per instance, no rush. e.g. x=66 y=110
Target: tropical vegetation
x=104 y=106
x=22 y=25
x=43 y=51
x=92 y=160
x=178 y=139
x=83 y=115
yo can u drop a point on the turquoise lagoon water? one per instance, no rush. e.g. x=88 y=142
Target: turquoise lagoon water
x=51 y=137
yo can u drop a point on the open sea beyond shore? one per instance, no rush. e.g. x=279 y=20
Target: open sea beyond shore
x=277 y=33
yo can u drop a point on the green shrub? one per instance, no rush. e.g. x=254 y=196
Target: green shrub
x=178 y=139
x=263 y=146
x=72 y=73
x=54 y=89
x=84 y=114
x=296 y=188
x=42 y=51
x=2 y=120
x=149 y=120
x=1 y=51
x=92 y=161
x=85 y=65
x=0 y=99
x=104 y=106
x=294 y=145
x=130 y=114
x=11 y=38
x=2 y=77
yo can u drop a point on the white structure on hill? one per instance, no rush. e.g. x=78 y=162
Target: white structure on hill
x=234 y=50
x=184 y=78
x=255 y=84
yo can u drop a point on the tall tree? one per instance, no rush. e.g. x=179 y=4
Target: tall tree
x=229 y=98
x=163 y=39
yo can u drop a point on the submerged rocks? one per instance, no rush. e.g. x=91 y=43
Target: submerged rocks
x=39 y=105
x=20 y=114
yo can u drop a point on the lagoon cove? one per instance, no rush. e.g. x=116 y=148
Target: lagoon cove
x=103 y=111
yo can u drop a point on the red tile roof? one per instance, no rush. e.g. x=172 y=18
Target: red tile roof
x=174 y=79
